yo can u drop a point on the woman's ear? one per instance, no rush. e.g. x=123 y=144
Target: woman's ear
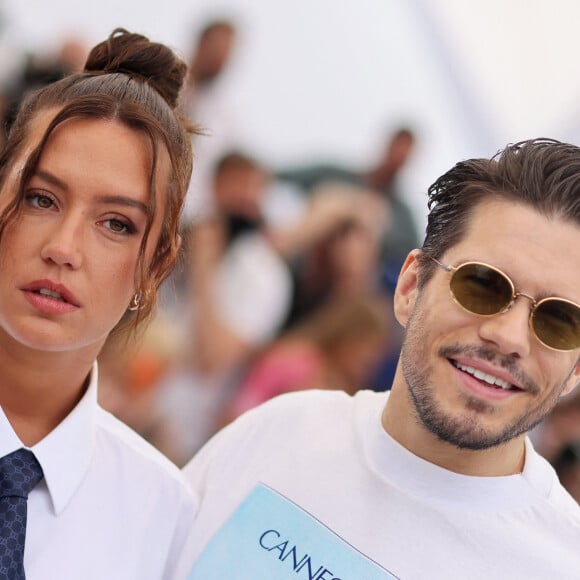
x=407 y=288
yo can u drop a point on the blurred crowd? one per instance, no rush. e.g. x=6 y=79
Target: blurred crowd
x=285 y=279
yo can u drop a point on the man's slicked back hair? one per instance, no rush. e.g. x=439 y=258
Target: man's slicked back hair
x=543 y=174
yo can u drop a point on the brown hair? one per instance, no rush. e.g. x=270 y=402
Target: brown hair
x=236 y=160
x=540 y=173
x=343 y=318
x=137 y=82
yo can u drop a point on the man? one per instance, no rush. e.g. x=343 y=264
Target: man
x=235 y=297
x=206 y=102
x=436 y=479
x=382 y=177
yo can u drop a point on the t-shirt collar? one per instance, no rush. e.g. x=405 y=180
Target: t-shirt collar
x=417 y=476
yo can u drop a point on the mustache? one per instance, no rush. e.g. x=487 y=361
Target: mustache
x=509 y=363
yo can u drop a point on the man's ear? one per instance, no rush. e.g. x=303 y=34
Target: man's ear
x=573 y=380
x=407 y=288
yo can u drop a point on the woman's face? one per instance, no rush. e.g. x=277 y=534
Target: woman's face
x=68 y=261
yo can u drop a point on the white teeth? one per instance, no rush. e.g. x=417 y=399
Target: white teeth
x=51 y=294
x=484 y=376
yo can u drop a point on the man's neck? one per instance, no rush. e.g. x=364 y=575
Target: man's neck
x=401 y=423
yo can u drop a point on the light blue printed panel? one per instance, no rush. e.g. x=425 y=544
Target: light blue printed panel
x=269 y=537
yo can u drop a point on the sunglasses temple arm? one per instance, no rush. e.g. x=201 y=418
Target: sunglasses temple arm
x=446 y=267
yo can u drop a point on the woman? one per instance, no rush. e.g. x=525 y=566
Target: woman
x=337 y=347
x=92 y=181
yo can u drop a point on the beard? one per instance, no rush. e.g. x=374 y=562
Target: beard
x=465 y=430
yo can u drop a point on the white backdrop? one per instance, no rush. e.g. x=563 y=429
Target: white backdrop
x=327 y=79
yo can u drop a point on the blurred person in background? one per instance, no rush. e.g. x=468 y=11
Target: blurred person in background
x=382 y=178
x=337 y=347
x=238 y=290
x=207 y=103
x=240 y=283
x=342 y=339
x=344 y=260
x=234 y=300
x=38 y=70
x=317 y=274
x=557 y=438
x=567 y=466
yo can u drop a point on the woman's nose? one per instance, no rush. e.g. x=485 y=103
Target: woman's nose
x=62 y=244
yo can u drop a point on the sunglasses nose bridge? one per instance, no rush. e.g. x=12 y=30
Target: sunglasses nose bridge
x=523 y=294
x=515 y=296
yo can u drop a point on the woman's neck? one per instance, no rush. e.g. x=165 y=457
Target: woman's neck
x=39 y=389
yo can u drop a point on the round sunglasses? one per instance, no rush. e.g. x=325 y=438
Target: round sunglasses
x=484 y=290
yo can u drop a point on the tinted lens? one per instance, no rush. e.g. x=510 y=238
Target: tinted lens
x=557 y=324
x=481 y=289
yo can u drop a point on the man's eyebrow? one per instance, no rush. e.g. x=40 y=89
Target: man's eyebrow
x=115 y=199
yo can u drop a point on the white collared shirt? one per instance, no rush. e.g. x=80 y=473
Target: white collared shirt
x=109 y=506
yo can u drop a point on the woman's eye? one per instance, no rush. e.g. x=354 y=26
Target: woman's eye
x=40 y=201
x=118 y=227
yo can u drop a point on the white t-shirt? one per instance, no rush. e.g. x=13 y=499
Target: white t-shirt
x=253 y=288
x=327 y=459
x=109 y=506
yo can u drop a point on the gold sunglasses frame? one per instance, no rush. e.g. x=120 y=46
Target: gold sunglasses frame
x=515 y=295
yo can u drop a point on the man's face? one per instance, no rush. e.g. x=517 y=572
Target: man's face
x=213 y=53
x=444 y=345
x=239 y=191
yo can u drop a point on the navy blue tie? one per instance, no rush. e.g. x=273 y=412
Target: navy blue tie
x=19 y=473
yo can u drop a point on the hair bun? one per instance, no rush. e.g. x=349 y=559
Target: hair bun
x=135 y=55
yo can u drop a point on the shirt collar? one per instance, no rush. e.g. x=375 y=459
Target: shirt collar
x=66 y=452
x=9 y=441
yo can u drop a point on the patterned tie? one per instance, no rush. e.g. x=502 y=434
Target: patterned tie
x=19 y=473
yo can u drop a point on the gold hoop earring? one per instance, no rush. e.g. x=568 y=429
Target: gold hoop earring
x=135 y=303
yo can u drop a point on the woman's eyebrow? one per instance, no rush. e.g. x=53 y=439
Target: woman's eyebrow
x=114 y=199
x=50 y=178
x=124 y=200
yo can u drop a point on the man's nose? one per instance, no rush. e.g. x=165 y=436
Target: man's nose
x=510 y=331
